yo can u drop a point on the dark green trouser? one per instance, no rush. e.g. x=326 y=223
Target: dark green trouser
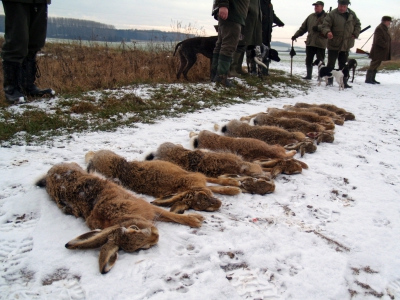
x=25 y=30
x=374 y=65
x=228 y=37
x=311 y=52
x=340 y=56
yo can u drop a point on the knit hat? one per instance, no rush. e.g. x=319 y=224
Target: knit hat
x=344 y=2
x=318 y=3
x=386 y=18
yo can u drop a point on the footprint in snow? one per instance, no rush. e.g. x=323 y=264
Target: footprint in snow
x=22 y=222
x=13 y=253
x=249 y=283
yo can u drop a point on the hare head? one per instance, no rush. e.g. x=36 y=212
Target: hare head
x=195 y=198
x=257 y=185
x=286 y=166
x=326 y=136
x=112 y=239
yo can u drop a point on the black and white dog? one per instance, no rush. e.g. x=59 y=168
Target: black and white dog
x=327 y=72
x=256 y=56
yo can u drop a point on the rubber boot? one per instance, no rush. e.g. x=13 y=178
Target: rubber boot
x=309 y=72
x=345 y=80
x=224 y=63
x=330 y=82
x=373 y=77
x=214 y=66
x=368 y=77
x=11 y=84
x=30 y=72
x=223 y=80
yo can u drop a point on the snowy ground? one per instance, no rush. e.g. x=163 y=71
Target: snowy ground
x=329 y=233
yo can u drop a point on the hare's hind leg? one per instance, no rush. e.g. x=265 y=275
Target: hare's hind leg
x=225 y=190
x=192 y=220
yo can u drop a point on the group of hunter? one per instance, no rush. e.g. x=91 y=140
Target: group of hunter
x=242 y=25
x=337 y=31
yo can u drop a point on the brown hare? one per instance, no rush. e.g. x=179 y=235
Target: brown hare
x=119 y=220
x=251 y=177
x=172 y=185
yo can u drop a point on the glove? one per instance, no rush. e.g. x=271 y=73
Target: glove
x=315 y=28
x=294 y=38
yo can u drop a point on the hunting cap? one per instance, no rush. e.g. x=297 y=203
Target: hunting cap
x=386 y=18
x=318 y=3
x=344 y=2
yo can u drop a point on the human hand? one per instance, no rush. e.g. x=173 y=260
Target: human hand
x=294 y=38
x=223 y=13
x=329 y=35
x=353 y=36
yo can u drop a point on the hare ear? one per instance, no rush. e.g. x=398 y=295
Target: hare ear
x=108 y=256
x=179 y=207
x=303 y=164
x=313 y=135
x=268 y=163
x=90 y=240
x=275 y=172
x=169 y=200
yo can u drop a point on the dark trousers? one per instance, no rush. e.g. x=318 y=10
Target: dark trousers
x=228 y=37
x=311 y=52
x=25 y=30
x=374 y=65
x=340 y=56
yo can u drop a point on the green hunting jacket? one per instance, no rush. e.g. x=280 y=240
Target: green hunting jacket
x=29 y=1
x=381 y=46
x=252 y=29
x=343 y=27
x=237 y=10
x=314 y=38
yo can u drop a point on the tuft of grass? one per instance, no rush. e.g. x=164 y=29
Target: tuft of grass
x=97 y=90
x=111 y=109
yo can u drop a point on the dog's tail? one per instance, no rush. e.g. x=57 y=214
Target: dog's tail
x=176 y=47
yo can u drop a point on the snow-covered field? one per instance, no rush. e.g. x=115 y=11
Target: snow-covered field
x=332 y=232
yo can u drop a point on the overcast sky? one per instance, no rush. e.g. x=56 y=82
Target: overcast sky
x=164 y=15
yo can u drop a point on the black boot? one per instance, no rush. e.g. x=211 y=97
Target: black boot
x=223 y=80
x=373 y=77
x=346 y=86
x=11 y=85
x=330 y=82
x=368 y=77
x=224 y=63
x=309 y=73
x=30 y=72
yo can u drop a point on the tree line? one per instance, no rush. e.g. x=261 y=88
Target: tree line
x=76 y=29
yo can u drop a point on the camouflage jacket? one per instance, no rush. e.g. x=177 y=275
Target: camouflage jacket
x=237 y=10
x=343 y=27
x=314 y=38
x=381 y=46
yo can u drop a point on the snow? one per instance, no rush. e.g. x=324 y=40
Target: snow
x=328 y=233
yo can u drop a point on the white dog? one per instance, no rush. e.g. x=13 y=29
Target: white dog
x=326 y=72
